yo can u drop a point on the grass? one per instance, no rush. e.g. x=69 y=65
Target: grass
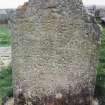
x=100 y=81
x=5 y=83
x=6 y=73
x=101 y=67
x=5 y=37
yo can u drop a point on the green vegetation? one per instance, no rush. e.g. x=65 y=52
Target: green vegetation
x=5 y=73
x=4 y=35
x=100 y=82
x=5 y=83
x=101 y=68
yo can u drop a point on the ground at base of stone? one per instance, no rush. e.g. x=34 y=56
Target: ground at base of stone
x=10 y=102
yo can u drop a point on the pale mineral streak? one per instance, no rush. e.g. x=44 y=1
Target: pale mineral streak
x=54 y=53
x=5 y=57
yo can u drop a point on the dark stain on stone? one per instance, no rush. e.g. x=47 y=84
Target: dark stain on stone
x=82 y=98
x=68 y=98
x=20 y=99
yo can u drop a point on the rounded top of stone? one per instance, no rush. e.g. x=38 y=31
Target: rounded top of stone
x=53 y=3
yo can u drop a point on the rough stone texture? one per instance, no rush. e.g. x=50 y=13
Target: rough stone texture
x=54 y=53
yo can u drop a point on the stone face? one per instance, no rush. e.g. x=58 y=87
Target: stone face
x=54 y=53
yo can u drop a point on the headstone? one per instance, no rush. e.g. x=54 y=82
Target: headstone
x=54 y=53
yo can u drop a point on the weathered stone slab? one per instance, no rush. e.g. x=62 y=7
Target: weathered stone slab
x=54 y=53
